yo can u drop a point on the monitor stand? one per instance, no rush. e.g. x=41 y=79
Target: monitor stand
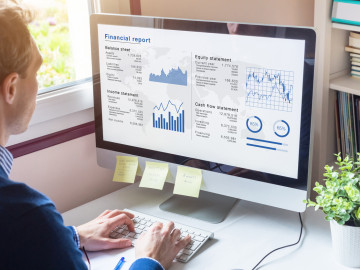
x=208 y=207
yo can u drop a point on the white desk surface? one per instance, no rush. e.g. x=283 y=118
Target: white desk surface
x=248 y=233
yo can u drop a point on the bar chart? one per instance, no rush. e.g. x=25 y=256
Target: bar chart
x=169 y=117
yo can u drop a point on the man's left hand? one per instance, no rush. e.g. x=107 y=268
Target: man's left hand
x=94 y=235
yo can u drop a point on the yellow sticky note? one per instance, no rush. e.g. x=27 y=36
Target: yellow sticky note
x=188 y=181
x=155 y=174
x=126 y=169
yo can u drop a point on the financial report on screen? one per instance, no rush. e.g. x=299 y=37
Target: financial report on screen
x=229 y=99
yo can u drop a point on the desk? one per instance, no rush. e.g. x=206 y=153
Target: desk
x=248 y=233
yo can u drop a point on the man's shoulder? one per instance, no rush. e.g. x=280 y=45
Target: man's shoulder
x=17 y=199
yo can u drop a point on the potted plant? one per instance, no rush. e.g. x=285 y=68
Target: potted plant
x=339 y=199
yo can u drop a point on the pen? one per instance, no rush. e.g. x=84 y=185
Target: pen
x=119 y=264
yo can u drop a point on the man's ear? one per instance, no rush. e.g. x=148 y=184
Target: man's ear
x=8 y=87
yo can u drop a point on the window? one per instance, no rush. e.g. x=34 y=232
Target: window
x=61 y=31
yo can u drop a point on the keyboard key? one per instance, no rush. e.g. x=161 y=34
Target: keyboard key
x=184 y=257
x=137 y=230
x=199 y=238
x=194 y=246
x=113 y=235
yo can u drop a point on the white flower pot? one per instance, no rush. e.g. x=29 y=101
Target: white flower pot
x=346 y=244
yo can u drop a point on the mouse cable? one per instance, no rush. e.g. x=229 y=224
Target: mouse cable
x=301 y=230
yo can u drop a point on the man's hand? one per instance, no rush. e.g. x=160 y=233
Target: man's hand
x=161 y=242
x=94 y=235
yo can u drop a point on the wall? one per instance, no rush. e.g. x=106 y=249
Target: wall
x=111 y=6
x=67 y=173
x=286 y=12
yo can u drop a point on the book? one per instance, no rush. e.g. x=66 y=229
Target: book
x=341 y=123
x=355 y=55
x=357 y=121
x=354 y=42
x=352 y=49
x=354 y=142
x=355 y=68
x=354 y=59
x=354 y=63
x=337 y=124
x=357 y=73
x=346 y=11
x=355 y=35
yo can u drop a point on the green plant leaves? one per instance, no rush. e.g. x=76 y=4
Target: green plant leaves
x=339 y=199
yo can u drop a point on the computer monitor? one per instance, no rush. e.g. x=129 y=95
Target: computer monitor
x=232 y=99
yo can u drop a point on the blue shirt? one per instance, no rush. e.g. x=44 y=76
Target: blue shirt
x=33 y=235
x=6 y=160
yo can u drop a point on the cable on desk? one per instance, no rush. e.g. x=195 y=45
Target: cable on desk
x=301 y=230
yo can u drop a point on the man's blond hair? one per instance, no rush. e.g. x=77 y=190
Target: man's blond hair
x=15 y=38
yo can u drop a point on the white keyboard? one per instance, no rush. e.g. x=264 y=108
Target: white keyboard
x=142 y=222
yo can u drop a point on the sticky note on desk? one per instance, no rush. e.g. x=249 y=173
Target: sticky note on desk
x=188 y=181
x=155 y=174
x=126 y=169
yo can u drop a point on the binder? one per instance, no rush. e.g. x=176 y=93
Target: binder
x=346 y=11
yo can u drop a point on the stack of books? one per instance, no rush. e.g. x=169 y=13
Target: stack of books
x=354 y=50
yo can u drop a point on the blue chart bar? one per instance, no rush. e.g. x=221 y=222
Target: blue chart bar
x=260 y=146
x=265 y=141
x=170 y=122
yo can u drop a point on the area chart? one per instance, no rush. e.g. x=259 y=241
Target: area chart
x=174 y=76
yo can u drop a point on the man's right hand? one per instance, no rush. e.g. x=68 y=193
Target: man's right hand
x=161 y=242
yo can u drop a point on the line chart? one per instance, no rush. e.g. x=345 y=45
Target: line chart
x=167 y=105
x=170 y=119
x=269 y=88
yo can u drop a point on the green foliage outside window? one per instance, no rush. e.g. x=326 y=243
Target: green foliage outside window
x=51 y=33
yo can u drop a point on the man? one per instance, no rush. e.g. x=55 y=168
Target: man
x=33 y=235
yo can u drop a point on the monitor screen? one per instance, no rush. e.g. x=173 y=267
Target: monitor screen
x=228 y=98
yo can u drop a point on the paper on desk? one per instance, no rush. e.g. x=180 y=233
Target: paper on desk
x=188 y=181
x=155 y=175
x=126 y=169
x=107 y=259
